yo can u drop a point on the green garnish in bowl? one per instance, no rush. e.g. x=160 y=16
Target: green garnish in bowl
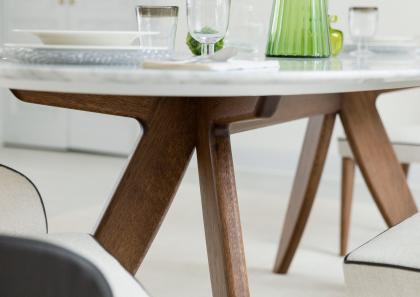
x=195 y=46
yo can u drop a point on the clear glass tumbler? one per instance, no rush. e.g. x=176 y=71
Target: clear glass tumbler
x=246 y=29
x=208 y=21
x=157 y=25
x=363 y=22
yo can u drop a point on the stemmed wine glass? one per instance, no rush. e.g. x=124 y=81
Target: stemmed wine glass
x=208 y=21
x=363 y=24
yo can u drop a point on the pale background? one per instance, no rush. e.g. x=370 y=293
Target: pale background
x=277 y=148
x=74 y=185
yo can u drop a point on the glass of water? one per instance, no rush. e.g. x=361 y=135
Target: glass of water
x=208 y=21
x=157 y=28
x=363 y=22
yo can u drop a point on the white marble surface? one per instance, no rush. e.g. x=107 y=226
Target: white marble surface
x=293 y=76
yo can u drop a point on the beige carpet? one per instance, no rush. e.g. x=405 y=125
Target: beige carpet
x=75 y=186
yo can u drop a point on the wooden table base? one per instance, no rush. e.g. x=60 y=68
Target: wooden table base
x=376 y=158
x=174 y=127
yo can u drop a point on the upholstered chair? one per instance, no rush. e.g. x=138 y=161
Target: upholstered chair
x=34 y=262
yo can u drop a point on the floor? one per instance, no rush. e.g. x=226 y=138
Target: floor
x=76 y=186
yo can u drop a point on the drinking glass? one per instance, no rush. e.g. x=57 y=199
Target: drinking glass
x=208 y=21
x=363 y=23
x=157 y=27
x=246 y=29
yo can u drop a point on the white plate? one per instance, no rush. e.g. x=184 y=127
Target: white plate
x=78 y=55
x=395 y=40
x=70 y=47
x=389 y=44
x=87 y=38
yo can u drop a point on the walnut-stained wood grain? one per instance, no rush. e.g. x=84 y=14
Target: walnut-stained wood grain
x=347 y=181
x=290 y=108
x=239 y=114
x=311 y=164
x=220 y=211
x=248 y=113
x=225 y=111
x=375 y=156
x=175 y=126
x=149 y=183
x=140 y=108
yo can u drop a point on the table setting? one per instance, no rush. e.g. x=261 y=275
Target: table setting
x=152 y=46
x=153 y=43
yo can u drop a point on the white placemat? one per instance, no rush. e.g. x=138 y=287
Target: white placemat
x=212 y=66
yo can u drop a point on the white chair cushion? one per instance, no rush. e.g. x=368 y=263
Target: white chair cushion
x=388 y=265
x=122 y=283
x=21 y=207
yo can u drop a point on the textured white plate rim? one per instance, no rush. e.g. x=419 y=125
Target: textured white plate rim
x=75 y=32
x=391 y=41
x=69 y=47
x=395 y=38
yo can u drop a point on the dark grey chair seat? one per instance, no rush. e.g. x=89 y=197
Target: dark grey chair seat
x=35 y=268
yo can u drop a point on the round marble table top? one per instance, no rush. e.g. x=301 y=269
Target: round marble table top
x=292 y=77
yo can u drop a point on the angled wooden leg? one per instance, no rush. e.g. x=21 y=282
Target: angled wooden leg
x=149 y=183
x=311 y=164
x=406 y=168
x=221 y=213
x=347 y=181
x=375 y=157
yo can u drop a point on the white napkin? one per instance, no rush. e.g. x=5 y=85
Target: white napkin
x=212 y=66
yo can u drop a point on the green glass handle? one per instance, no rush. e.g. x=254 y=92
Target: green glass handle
x=336 y=38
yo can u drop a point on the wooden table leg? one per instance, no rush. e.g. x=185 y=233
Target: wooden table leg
x=311 y=164
x=150 y=181
x=221 y=213
x=375 y=157
x=347 y=183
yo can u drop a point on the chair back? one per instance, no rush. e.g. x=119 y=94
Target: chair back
x=22 y=210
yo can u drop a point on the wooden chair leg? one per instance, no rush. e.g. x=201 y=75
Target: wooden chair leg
x=311 y=164
x=347 y=183
x=221 y=213
x=149 y=184
x=380 y=167
x=405 y=168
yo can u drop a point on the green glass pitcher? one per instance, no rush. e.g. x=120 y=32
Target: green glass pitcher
x=299 y=28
